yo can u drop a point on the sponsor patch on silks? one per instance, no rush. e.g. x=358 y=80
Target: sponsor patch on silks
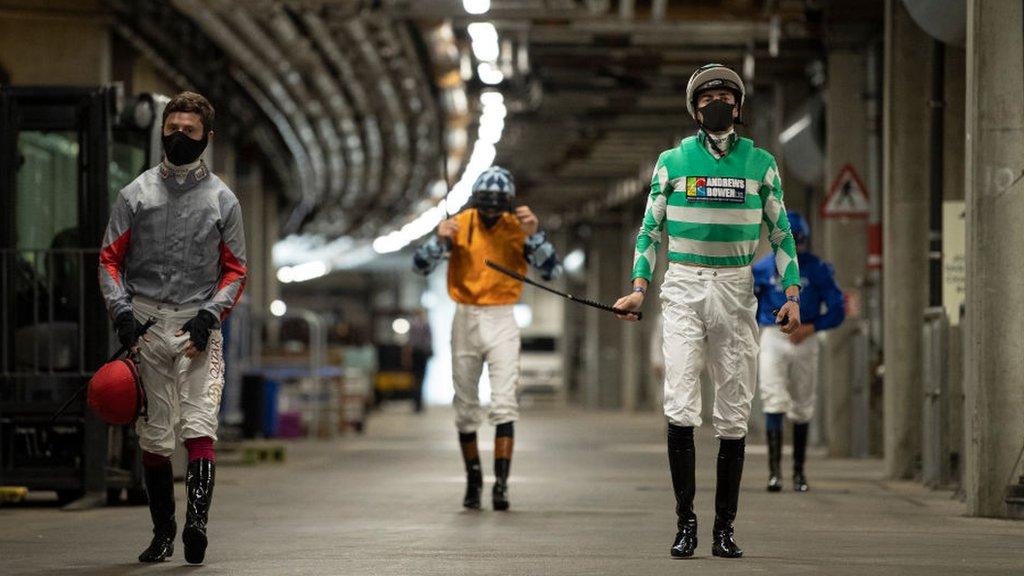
x=715 y=189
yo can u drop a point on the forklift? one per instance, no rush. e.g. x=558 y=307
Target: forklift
x=65 y=153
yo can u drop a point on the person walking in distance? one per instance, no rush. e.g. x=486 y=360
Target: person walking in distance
x=788 y=370
x=484 y=329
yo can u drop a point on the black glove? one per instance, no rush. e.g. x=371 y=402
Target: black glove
x=199 y=328
x=128 y=329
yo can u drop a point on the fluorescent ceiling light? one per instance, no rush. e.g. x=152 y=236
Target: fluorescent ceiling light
x=492 y=124
x=523 y=315
x=278 y=308
x=302 y=272
x=481 y=31
x=486 y=51
x=400 y=326
x=574 y=261
x=489 y=73
x=485 y=41
x=797 y=127
x=476 y=6
x=492 y=98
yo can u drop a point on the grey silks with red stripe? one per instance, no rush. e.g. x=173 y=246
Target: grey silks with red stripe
x=175 y=235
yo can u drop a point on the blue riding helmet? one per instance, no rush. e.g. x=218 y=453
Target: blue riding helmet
x=798 y=226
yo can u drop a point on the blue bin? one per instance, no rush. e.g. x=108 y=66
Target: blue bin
x=270 y=390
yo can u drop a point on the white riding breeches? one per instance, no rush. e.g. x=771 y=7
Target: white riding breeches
x=788 y=374
x=709 y=316
x=485 y=334
x=182 y=395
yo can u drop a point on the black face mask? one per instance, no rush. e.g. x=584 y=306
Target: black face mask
x=489 y=219
x=181 y=150
x=717 y=116
x=496 y=202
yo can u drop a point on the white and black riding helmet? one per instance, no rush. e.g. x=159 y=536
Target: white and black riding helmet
x=494 y=190
x=714 y=77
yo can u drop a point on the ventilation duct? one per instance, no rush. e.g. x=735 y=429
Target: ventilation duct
x=803 y=144
x=944 y=20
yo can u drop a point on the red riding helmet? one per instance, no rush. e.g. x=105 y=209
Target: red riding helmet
x=115 y=392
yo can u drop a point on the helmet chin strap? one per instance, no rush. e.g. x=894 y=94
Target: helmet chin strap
x=709 y=138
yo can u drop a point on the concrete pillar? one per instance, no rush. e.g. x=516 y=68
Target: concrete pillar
x=632 y=362
x=652 y=356
x=222 y=156
x=251 y=196
x=574 y=350
x=571 y=344
x=271 y=218
x=607 y=274
x=908 y=52
x=843 y=242
x=590 y=393
x=994 y=378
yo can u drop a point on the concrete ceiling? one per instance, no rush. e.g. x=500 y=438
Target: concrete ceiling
x=356 y=93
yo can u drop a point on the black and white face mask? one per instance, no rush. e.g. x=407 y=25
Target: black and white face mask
x=181 y=150
x=717 y=116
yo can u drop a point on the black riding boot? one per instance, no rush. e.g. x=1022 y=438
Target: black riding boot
x=503 y=443
x=199 y=488
x=474 y=474
x=499 y=495
x=681 y=464
x=799 y=454
x=160 y=488
x=727 y=495
x=774 y=460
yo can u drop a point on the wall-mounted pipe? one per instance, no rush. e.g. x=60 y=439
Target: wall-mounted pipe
x=428 y=121
x=371 y=45
x=283 y=82
x=936 y=109
x=307 y=69
x=303 y=166
x=944 y=20
x=255 y=67
x=369 y=137
x=349 y=100
x=873 y=106
x=262 y=132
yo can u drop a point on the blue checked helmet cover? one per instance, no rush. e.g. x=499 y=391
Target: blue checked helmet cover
x=494 y=189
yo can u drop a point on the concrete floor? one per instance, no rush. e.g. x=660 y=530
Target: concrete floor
x=590 y=495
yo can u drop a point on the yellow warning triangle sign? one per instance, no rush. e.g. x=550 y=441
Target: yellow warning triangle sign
x=848 y=197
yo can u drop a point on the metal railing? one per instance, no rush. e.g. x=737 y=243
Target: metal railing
x=42 y=311
x=320 y=398
x=860 y=390
x=51 y=321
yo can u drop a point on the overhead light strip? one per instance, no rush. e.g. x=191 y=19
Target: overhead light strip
x=492 y=125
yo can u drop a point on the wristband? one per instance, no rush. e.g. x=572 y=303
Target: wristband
x=794 y=299
x=640 y=289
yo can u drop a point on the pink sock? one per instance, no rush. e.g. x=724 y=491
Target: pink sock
x=200 y=448
x=151 y=460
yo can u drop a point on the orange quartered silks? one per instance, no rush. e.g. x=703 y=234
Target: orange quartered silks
x=470 y=281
